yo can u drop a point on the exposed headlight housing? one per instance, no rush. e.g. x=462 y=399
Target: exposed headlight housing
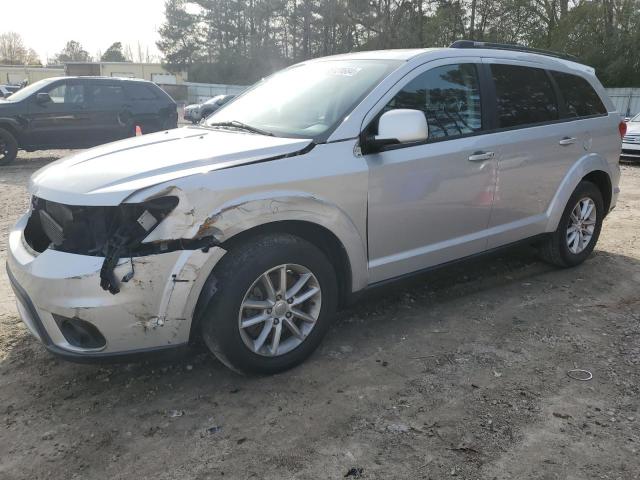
x=90 y=230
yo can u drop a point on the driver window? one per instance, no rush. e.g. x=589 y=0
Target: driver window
x=449 y=96
x=67 y=93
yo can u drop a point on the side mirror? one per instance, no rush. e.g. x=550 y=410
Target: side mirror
x=43 y=98
x=399 y=126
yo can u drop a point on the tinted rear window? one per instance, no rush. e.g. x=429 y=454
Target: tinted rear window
x=140 y=92
x=106 y=94
x=580 y=99
x=525 y=96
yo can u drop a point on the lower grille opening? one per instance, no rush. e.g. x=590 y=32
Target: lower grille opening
x=80 y=333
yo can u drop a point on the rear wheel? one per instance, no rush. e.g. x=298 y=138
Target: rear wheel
x=8 y=147
x=578 y=230
x=275 y=299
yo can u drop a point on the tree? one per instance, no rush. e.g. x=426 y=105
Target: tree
x=12 y=49
x=113 y=53
x=239 y=41
x=180 y=39
x=72 y=52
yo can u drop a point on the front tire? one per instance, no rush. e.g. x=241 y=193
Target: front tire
x=275 y=298
x=578 y=230
x=8 y=147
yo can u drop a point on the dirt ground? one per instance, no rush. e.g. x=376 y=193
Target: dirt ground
x=460 y=374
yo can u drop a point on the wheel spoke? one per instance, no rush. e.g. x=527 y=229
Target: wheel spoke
x=587 y=210
x=303 y=316
x=275 y=343
x=283 y=281
x=266 y=281
x=293 y=329
x=304 y=278
x=305 y=296
x=259 y=342
x=257 y=304
x=250 y=322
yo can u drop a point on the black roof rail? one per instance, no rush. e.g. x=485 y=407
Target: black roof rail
x=512 y=47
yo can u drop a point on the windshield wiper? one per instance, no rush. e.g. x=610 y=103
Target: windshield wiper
x=241 y=126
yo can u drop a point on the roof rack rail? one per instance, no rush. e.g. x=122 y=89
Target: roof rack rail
x=512 y=47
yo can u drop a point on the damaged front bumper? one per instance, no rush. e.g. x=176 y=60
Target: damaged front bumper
x=60 y=300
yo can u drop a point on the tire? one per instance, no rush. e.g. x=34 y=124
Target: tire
x=556 y=249
x=8 y=147
x=238 y=279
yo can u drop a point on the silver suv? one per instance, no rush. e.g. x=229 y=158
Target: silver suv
x=323 y=180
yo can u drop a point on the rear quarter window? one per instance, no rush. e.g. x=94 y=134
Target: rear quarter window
x=105 y=94
x=580 y=99
x=140 y=92
x=524 y=95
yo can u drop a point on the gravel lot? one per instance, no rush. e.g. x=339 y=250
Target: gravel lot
x=458 y=374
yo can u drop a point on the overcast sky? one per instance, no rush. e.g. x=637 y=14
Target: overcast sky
x=46 y=25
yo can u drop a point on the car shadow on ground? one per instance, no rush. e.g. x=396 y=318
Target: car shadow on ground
x=430 y=290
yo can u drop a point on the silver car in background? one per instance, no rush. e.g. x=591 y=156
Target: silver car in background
x=324 y=180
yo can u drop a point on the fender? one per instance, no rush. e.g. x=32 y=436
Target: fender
x=260 y=208
x=587 y=164
x=15 y=124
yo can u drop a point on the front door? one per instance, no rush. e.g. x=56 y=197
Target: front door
x=431 y=203
x=63 y=122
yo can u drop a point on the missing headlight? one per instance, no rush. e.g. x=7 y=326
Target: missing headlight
x=109 y=232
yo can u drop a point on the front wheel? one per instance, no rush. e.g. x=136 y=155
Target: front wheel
x=578 y=230
x=275 y=298
x=8 y=147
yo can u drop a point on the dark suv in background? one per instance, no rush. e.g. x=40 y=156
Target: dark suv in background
x=81 y=112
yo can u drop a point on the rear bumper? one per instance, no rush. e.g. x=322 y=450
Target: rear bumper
x=152 y=312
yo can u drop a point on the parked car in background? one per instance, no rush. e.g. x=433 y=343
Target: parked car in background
x=81 y=112
x=631 y=140
x=326 y=179
x=7 y=90
x=196 y=112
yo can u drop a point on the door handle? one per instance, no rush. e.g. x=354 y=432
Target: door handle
x=567 y=141
x=481 y=156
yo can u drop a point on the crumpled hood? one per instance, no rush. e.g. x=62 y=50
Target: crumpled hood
x=108 y=174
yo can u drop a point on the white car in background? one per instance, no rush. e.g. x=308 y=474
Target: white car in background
x=631 y=140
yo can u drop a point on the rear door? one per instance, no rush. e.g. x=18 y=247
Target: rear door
x=534 y=151
x=106 y=103
x=64 y=122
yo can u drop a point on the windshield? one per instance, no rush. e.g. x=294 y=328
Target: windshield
x=636 y=118
x=307 y=100
x=27 y=91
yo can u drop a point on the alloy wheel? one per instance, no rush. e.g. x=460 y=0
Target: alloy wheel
x=279 y=310
x=582 y=224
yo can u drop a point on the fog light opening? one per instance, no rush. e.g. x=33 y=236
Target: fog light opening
x=80 y=333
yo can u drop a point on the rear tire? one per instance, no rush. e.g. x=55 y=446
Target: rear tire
x=8 y=147
x=576 y=237
x=286 y=328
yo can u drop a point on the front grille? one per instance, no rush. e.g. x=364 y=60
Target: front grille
x=631 y=139
x=630 y=153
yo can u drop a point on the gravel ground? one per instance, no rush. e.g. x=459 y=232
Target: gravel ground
x=458 y=374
